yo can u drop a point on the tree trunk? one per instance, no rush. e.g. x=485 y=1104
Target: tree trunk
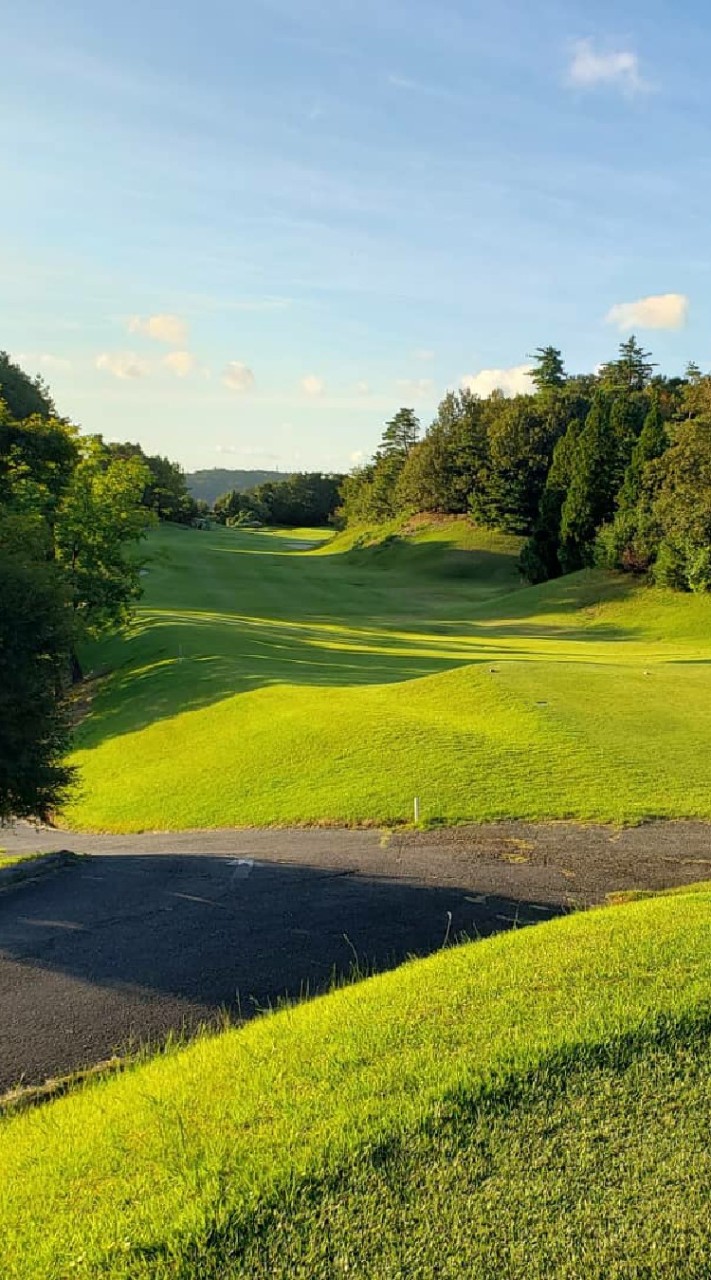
x=77 y=673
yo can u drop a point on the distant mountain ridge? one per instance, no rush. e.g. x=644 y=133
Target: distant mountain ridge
x=211 y=484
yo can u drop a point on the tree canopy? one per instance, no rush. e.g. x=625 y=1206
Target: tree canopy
x=609 y=467
x=72 y=511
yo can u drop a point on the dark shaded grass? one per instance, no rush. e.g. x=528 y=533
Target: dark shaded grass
x=596 y=1165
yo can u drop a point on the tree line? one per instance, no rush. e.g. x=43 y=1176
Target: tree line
x=610 y=468
x=306 y=498
x=73 y=510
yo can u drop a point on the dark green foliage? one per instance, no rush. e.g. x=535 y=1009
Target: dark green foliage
x=166 y=491
x=522 y=434
x=540 y=555
x=682 y=508
x=583 y=466
x=549 y=370
x=590 y=496
x=631 y=371
x=372 y=492
x=441 y=470
x=70 y=512
x=34 y=653
x=24 y=396
x=652 y=443
x=41 y=448
x=303 y=499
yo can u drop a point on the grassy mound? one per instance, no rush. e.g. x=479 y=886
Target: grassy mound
x=264 y=684
x=532 y=1105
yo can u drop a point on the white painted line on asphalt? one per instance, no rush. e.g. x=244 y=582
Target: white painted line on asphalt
x=243 y=867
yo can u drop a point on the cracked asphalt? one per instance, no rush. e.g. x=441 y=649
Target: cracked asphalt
x=163 y=932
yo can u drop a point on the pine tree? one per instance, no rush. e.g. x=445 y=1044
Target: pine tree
x=651 y=444
x=539 y=557
x=591 y=493
x=631 y=371
x=549 y=373
x=400 y=434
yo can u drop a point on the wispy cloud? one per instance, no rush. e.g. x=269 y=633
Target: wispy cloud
x=181 y=363
x=123 y=364
x=416 y=388
x=238 y=376
x=44 y=361
x=591 y=67
x=424 y=354
x=511 y=382
x=313 y=386
x=658 y=311
x=163 y=328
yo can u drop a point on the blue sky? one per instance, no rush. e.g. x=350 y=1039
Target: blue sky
x=245 y=234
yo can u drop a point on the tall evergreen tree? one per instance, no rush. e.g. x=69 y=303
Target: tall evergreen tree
x=652 y=442
x=631 y=371
x=539 y=557
x=591 y=493
x=548 y=373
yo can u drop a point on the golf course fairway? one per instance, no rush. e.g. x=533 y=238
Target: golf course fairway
x=291 y=678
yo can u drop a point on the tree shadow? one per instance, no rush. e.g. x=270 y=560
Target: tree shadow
x=124 y=950
x=344 y=627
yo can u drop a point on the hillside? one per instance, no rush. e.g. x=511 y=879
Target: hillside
x=269 y=677
x=208 y=485
x=535 y=1105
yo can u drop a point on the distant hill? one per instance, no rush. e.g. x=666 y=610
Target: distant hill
x=208 y=485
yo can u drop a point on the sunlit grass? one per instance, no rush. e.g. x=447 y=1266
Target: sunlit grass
x=532 y=1105
x=264 y=684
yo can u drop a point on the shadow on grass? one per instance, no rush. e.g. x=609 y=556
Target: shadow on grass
x=392 y=613
x=132 y=948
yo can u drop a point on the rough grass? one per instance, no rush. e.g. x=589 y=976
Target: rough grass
x=534 y=1105
x=263 y=684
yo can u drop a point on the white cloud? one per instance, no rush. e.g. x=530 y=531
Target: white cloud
x=590 y=68
x=659 y=311
x=181 y=363
x=164 y=328
x=357 y=457
x=238 y=376
x=313 y=386
x=424 y=354
x=416 y=388
x=511 y=382
x=122 y=364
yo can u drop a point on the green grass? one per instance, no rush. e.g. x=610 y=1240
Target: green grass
x=14 y=859
x=264 y=684
x=536 y=1105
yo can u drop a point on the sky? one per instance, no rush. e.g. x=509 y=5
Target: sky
x=244 y=234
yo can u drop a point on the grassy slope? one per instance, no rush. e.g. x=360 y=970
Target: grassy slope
x=533 y=1105
x=263 y=684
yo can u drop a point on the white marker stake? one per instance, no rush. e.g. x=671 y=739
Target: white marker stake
x=417 y=808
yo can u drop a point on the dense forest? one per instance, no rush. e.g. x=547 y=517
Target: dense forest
x=610 y=468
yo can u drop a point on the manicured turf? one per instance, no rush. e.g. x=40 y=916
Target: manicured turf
x=536 y=1105
x=264 y=684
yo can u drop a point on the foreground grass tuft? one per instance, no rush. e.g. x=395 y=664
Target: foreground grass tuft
x=532 y=1105
x=262 y=685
